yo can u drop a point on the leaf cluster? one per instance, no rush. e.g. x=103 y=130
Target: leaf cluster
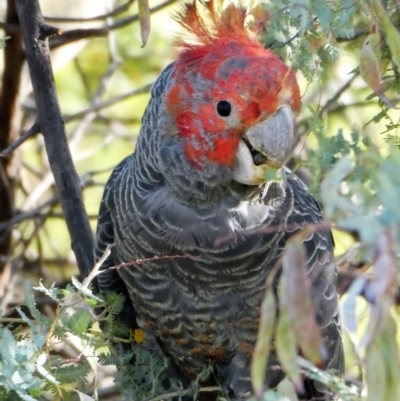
x=32 y=366
x=305 y=32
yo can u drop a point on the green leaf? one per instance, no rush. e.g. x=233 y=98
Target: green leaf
x=144 y=20
x=80 y=321
x=392 y=35
x=296 y=295
x=286 y=348
x=37 y=337
x=375 y=372
x=390 y=355
x=324 y=13
x=8 y=347
x=71 y=374
x=31 y=304
x=263 y=344
x=382 y=365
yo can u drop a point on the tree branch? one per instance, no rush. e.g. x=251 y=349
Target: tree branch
x=78 y=34
x=53 y=130
x=81 y=33
x=35 y=129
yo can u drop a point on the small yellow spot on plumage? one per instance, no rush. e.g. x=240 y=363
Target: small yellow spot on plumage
x=138 y=335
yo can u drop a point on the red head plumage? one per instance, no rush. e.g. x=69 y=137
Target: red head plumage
x=225 y=61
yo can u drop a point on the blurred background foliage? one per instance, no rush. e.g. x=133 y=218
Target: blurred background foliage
x=348 y=152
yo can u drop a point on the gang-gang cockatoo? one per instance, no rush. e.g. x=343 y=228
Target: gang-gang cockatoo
x=219 y=118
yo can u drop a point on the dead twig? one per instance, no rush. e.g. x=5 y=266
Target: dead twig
x=35 y=129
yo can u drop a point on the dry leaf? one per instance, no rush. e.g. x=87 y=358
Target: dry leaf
x=144 y=20
x=297 y=298
x=263 y=344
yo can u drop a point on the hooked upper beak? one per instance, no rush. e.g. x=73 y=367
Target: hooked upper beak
x=266 y=145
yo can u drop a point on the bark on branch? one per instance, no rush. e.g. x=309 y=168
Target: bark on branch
x=52 y=127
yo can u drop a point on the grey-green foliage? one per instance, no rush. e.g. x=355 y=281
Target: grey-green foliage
x=27 y=368
x=145 y=378
x=355 y=174
x=304 y=31
x=357 y=180
x=362 y=190
x=18 y=365
x=30 y=365
x=331 y=149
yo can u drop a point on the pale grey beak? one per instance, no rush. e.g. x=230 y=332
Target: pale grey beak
x=274 y=139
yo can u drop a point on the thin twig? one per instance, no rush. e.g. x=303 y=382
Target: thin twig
x=107 y=103
x=102 y=105
x=28 y=214
x=78 y=34
x=329 y=104
x=153 y=258
x=37 y=212
x=35 y=129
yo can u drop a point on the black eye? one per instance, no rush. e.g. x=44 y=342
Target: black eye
x=224 y=108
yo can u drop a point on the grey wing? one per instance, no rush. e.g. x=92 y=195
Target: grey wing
x=322 y=271
x=325 y=299
x=110 y=280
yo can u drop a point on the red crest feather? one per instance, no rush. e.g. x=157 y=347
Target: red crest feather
x=202 y=19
